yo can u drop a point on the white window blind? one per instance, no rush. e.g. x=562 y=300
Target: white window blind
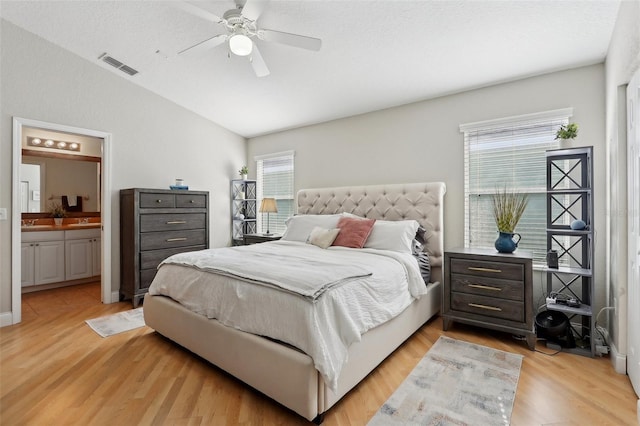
x=275 y=180
x=509 y=153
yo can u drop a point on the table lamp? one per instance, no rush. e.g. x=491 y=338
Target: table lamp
x=267 y=206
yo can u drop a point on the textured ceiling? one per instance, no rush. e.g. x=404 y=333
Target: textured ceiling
x=374 y=55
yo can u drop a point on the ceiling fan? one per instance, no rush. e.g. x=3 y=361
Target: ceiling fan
x=242 y=30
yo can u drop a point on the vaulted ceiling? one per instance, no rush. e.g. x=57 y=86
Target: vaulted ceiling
x=375 y=53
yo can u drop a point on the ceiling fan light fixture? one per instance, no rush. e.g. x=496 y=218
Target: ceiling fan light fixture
x=240 y=45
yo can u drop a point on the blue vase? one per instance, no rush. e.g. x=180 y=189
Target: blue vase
x=505 y=242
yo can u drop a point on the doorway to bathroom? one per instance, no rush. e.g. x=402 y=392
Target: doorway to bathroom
x=95 y=195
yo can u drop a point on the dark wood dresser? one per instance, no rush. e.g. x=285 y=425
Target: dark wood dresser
x=489 y=289
x=155 y=224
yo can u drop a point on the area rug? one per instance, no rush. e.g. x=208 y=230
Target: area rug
x=117 y=323
x=456 y=383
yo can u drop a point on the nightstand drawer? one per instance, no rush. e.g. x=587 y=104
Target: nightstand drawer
x=172 y=221
x=505 y=271
x=154 y=200
x=487 y=306
x=169 y=239
x=490 y=287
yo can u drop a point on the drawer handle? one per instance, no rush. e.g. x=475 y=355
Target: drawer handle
x=158 y=201
x=176 y=222
x=489 y=308
x=497 y=271
x=176 y=239
x=192 y=201
x=484 y=287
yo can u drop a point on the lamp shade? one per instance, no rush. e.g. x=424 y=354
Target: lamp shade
x=268 y=205
x=240 y=44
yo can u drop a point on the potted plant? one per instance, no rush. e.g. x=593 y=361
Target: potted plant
x=566 y=132
x=243 y=172
x=508 y=207
x=58 y=213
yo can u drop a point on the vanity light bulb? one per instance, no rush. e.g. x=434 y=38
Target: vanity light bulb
x=62 y=144
x=36 y=141
x=74 y=146
x=48 y=142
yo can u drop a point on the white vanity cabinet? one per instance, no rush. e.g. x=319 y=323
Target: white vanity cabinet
x=82 y=253
x=42 y=255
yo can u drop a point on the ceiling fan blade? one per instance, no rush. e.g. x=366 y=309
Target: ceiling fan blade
x=296 y=40
x=258 y=64
x=252 y=9
x=205 y=45
x=196 y=10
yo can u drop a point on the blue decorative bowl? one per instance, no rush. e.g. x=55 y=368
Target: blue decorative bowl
x=578 y=225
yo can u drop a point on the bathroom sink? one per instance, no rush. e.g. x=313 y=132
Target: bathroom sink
x=84 y=224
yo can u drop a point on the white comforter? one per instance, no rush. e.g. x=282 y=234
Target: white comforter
x=323 y=328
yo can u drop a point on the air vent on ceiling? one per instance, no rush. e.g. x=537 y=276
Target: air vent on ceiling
x=117 y=64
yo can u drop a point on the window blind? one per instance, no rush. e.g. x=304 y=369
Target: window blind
x=509 y=153
x=275 y=180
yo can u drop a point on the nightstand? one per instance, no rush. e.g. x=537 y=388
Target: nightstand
x=260 y=238
x=489 y=289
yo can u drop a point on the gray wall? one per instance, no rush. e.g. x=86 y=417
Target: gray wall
x=421 y=142
x=154 y=140
x=623 y=59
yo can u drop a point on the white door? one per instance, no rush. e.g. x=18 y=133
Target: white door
x=633 y=207
x=49 y=262
x=78 y=258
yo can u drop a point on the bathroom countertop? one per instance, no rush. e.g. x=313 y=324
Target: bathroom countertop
x=63 y=227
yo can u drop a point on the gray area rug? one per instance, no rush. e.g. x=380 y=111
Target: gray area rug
x=456 y=383
x=117 y=323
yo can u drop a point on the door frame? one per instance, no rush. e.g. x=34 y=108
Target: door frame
x=105 y=208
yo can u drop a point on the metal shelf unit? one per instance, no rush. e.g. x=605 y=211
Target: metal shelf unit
x=569 y=199
x=243 y=210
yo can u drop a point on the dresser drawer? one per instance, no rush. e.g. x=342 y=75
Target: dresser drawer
x=171 y=239
x=146 y=277
x=192 y=201
x=490 y=287
x=172 y=221
x=505 y=271
x=152 y=258
x=487 y=306
x=151 y=200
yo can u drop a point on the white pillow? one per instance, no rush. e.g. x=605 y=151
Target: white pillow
x=323 y=238
x=394 y=235
x=299 y=227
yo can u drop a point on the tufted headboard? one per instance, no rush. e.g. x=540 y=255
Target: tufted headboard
x=420 y=201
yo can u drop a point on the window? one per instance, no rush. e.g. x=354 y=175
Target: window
x=275 y=180
x=509 y=153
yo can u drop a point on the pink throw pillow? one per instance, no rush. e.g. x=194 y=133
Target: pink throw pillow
x=353 y=232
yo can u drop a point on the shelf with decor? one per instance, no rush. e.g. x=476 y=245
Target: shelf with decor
x=570 y=244
x=243 y=209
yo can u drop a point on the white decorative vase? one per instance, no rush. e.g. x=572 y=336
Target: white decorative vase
x=244 y=177
x=58 y=221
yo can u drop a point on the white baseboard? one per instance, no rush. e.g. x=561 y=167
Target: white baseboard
x=638 y=411
x=618 y=361
x=6 y=318
x=115 y=296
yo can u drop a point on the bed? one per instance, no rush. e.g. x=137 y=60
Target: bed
x=283 y=372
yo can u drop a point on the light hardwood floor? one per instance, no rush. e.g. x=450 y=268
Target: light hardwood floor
x=55 y=370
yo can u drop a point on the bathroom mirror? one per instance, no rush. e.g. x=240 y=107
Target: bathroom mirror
x=46 y=179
